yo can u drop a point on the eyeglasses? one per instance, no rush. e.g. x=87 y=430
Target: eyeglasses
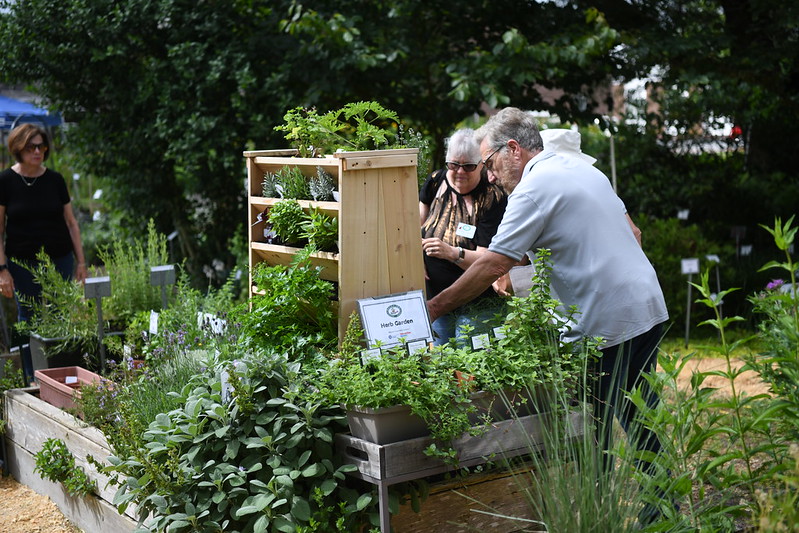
x=487 y=161
x=468 y=167
x=31 y=147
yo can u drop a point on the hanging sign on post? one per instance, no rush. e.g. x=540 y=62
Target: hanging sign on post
x=690 y=267
x=388 y=320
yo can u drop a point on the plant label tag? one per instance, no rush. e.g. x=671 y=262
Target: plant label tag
x=499 y=333
x=224 y=379
x=690 y=266
x=480 y=342
x=369 y=355
x=153 y=323
x=70 y=380
x=417 y=346
x=215 y=324
x=466 y=230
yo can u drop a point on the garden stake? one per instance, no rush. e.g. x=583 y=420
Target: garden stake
x=97 y=288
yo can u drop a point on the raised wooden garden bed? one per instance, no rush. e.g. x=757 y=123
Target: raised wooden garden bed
x=385 y=465
x=30 y=421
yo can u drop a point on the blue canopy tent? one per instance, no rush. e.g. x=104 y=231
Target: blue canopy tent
x=13 y=112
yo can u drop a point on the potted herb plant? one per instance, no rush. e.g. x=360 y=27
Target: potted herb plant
x=398 y=394
x=527 y=365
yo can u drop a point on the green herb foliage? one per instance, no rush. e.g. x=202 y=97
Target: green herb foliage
x=55 y=462
x=292 y=183
x=128 y=265
x=322 y=185
x=356 y=126
x=253 y=456
x=286 y=218
x=61 y=312
x=12 y=378
x=293 y=313
x=530 y=352
x=321 y=230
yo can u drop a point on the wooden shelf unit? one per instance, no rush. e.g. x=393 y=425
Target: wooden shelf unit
x=380 y=250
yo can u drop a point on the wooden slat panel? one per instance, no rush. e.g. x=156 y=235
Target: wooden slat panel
x=287 y=152
x=31 y=421
x=91 y=514
x=284 y=255
x=265 y=162
x=329 y=208
x=402 y=461
x=378 y=159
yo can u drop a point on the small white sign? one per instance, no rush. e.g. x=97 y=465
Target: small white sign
x=682 y=214
x=480 y=342
x=388 y=320
x=369 y=355
x=690 y=266
x=153 y=323
x=70 y=380
x=746 y=249
x=216 y=324
x=417 y=346
x=499 y=333
x=713 y=257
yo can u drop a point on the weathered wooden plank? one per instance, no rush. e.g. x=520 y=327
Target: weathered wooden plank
x=92 y=514
x=405 y=460
x=31 y=421
x=379 y=159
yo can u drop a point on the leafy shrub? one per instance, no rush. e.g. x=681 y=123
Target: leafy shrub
x=286 y=218
x=322 y=185
x=321 y=230
x=61 y=312
x=356 y=126
x=292 y=183
x=55 y=462
x=293 y=312
x=128 y=265
x=245 y=452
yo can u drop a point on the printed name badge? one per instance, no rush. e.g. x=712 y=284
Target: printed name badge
x=466 y=230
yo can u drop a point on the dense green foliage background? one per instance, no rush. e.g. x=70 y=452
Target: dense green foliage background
x=164 y=95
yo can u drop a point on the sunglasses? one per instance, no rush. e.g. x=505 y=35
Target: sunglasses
x=31 y=147
x=487 y=161
x=468 y=167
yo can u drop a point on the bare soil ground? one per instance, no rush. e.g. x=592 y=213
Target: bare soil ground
x=24 y=511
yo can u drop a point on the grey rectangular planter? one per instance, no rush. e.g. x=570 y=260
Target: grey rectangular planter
x=385 y=425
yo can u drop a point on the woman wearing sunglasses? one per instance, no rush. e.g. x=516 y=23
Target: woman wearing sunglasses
x=35 y=214
x=460 y=212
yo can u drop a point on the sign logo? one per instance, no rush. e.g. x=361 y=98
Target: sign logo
x=393 y=310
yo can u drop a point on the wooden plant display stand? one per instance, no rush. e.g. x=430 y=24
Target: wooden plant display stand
x=388 y=464
x=31 y=421
x=380 y=250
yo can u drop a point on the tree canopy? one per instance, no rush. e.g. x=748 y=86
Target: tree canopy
x=166 y=94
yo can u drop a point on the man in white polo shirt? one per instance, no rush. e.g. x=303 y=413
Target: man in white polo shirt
x=566 y=205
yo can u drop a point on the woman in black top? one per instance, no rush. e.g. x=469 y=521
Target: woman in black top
x=35 y=214
x=460 y=212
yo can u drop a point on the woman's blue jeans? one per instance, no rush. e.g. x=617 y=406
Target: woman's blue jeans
x=25 y=285
x=464 y=322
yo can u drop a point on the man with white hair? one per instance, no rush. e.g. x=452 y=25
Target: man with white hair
x=564 y=204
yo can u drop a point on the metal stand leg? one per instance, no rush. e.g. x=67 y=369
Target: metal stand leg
x=385 y=513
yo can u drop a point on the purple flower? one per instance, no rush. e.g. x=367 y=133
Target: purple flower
x=775 y=284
